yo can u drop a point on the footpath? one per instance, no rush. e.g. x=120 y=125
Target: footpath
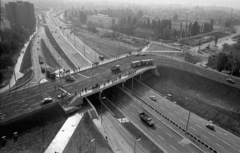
x=17 y=74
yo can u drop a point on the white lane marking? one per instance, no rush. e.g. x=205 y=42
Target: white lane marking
x=132 y=114
x=181 y=144
x=35 y=104
x=219 y=132
x=21 y=101
x=168 y=106
x=162 y=108
x=219 y=145
x=193 y=128
x=83 y=75
x=173 y=147
x=160 y=137
x=168 y=134
x=184 y=110
x=31 y=100
x=225 y=142
x=171 y=114
x=211 y=134
x=181 y=120
x=199 y=126
x=205 y=136
x=232 y=140
x=177 y=112
x=158 y=126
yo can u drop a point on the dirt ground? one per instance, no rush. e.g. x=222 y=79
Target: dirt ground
x=206 y=98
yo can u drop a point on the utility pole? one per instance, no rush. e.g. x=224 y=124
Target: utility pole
x=187 y=122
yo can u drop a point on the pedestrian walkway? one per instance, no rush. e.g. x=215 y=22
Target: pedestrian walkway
x=17 y=74
x=64 y=135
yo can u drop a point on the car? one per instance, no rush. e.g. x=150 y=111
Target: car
x=115 y=68
x=46 y=100
x=210 y=126
x=143 y=54
x=153 y=98
x=145 y=118
x=230 y=80
x=62 y=95
x=138 y=54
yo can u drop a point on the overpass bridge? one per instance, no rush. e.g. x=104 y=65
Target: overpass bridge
x=73 y=102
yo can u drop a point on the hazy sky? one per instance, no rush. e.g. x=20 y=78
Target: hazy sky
x=228 y=3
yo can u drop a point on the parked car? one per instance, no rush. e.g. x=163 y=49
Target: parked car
x=230 y=80
x=46 y=100
x=153 y=98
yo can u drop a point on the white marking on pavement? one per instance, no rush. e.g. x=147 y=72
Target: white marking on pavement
x=83 y=75
x=225 y=142
x=205 y=136
x=199 y=126
x=219 y=145
x=168 y=134
x=163 y=108
x=193 y=128
x=232 y=140
x=171 y=114
x=181 y=120
x=219 y=132
x=181 y=144
x=211 y=134
x=160 y=137
x=173 y=147
x=132 y=114
x=21 y=101
x=158 y=126
x=177 y=112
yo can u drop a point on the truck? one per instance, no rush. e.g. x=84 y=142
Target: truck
x=69 y=78
x=144 y=117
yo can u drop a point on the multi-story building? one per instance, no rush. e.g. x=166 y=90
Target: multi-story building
x=102 y=21
x=21 y=14
x=5 y=24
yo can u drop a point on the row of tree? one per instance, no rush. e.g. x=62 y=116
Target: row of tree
x=12 y=40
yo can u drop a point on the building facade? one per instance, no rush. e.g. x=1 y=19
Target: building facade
x=21 y=14
x=102 y=21
x=5 y=24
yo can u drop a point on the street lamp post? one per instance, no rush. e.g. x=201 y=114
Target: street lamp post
x=135 y=143
x=94 y=140
x=187 y=121
x=224 y=70
x=42 y=114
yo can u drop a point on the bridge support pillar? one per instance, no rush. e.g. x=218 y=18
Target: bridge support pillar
x=132 y=84
x=100 y=94
x=122 y=84
x=140 y=76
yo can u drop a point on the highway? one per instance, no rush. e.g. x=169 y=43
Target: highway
x=161 y=134
x=71 y=52
x=223 y=140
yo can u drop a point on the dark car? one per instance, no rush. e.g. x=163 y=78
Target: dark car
x=230 y=80
x=210 y=126
x=46 y=100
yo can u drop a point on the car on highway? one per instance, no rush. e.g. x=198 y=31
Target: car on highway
x=142 y=54
x=46 y=100
x=153 y=98
x=203 y=65
x=115 y=68
x=144 y=117
x=230 y=80
x=210 y=126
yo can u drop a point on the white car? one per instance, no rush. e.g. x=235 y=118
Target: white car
x=153 y=98
x=46 y=100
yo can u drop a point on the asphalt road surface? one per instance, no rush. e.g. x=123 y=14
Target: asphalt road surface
x=161 y=134
x=224 y=141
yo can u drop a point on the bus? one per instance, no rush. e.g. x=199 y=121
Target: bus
x=136 y=64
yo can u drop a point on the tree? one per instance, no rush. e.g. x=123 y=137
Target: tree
x=129 y=20
x=194 y=29
x=166 y=33
x=65 y=14
x=221 y=61
x=216 y=40
x=211 y=25
x=83 y=17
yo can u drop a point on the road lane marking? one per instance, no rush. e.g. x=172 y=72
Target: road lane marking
x=181 y=144
x=158 y=126
x=219 y=145
x=160 y=137
x=177 y=112
x=31 y=100
x=219 y=132
x=205 y=136
x=232 y=140
x=162 y=108
x=181 y=120
x=21 y=101
x=199 y=126
x=171 y=114
x=193 y=128
x=168 y=134
x=211 y=134
x=173 y=147
x=225 y=142
x=132 y=114
x=35 y=104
